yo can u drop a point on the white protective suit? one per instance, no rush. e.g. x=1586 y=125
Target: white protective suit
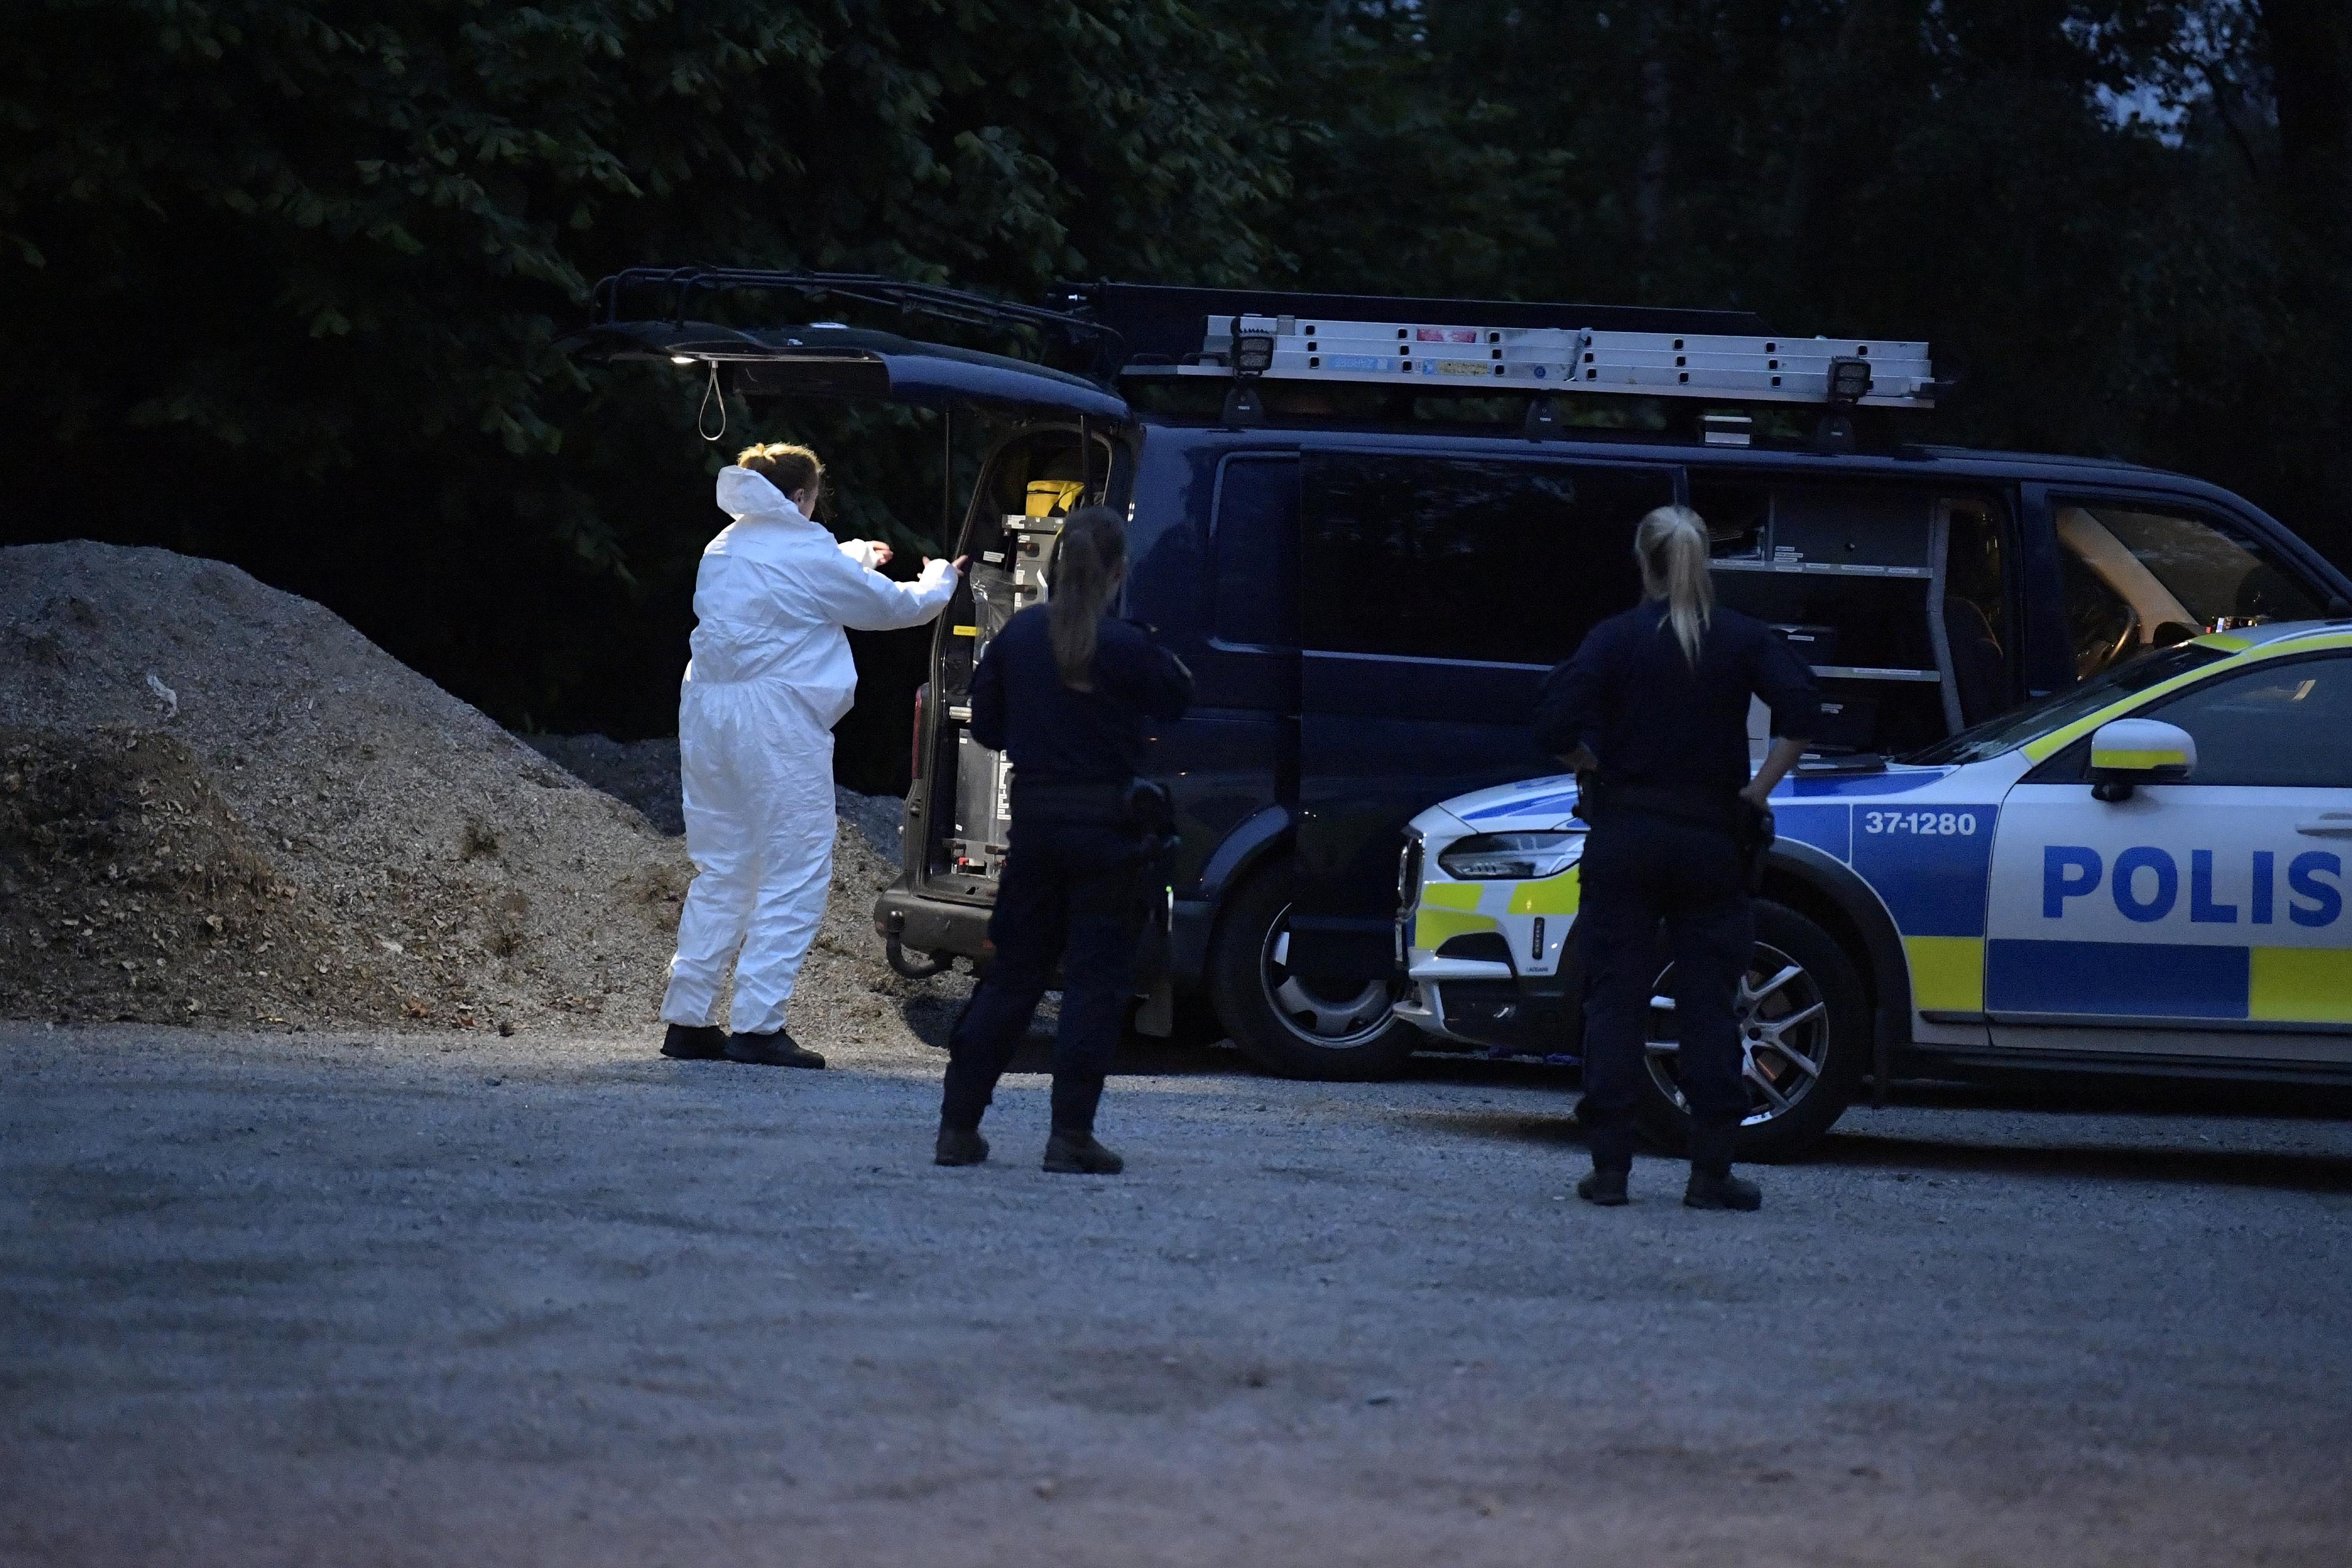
x=769 y=677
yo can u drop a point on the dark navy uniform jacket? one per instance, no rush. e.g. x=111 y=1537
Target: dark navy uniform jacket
x=1628 y=694
x=1056 y=735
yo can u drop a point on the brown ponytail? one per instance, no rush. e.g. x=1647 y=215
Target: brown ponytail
x=790 y=468
x=1086 y=571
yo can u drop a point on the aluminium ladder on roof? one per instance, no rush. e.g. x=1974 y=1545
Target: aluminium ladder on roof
x=1573 y=359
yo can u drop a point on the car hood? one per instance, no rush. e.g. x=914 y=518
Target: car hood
x=1549 y=803
x=1530 y=806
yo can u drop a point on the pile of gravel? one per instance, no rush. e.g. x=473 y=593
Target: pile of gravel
x=646 y=774
x=642 y=772
x=220 y=803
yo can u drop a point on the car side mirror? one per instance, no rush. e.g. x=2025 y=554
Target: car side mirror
x=2128 y=752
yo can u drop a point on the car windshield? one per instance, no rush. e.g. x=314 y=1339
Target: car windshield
x=2015 y=728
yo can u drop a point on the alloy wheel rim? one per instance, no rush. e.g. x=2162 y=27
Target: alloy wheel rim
x=1329 y=1023
x=1784 y=1034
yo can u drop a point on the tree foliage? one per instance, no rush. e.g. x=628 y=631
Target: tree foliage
x=284 y=282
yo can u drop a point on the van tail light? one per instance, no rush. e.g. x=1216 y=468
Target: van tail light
x=915 y=745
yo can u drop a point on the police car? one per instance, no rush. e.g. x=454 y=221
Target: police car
x=2143 y=874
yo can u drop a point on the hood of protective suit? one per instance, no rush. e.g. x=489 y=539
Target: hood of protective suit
x=772 y=597
x=742 y=493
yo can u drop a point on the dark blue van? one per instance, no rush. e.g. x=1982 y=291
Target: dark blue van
x=1369 y=581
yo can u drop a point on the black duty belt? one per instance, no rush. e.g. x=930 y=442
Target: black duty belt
x=1749 y=826
x=1694 y=803
x=1043 y=799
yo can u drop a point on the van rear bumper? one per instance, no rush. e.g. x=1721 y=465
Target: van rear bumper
x=929 y=924
x=925 y=923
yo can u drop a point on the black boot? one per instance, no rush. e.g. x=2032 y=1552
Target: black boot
x=1078 y=1153
x=772 y=1051
x=1605 y=1187
x=1712 y=1184
x=1721 y=1190
x=960 y=1146
x=695 y=1043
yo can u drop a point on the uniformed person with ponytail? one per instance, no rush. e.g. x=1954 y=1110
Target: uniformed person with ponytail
x=1063 y=691
x=1652 y=712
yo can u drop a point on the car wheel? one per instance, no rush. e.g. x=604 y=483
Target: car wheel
x=1285 y=1023
x=1804 y=1024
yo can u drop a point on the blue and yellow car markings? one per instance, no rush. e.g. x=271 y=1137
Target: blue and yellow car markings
x=1552 y=896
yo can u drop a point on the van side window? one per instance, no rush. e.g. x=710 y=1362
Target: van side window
x=1255 y=599
x=2100 y=625
x=1976 y=610
x=1462 y=558
x=2138 y=578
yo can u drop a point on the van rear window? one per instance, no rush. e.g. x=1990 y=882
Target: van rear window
x=1465 y=558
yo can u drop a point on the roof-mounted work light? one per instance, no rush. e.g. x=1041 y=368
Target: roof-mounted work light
x=1252 y=356
x=1253 y=352
x=1849 y=383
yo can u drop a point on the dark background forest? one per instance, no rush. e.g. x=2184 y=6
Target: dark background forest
x=284 y=284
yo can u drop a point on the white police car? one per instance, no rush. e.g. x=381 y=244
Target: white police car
x=2144 y=874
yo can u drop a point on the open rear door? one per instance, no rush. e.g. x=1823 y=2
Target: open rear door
x=851 y=363
x=1436 y=592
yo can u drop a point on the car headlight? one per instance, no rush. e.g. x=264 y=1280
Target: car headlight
x=1517 y=857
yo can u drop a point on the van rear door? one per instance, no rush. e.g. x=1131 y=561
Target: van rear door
x=851 y=363
x=1436 y=590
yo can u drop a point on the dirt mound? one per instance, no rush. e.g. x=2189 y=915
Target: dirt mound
x=642 y=772
x=134 y=892
x=645 y=773
x=189 y=747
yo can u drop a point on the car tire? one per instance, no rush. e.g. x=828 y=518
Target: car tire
x=1284 y=1025
x=1839 y=1051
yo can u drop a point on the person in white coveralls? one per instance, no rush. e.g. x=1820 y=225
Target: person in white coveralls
x=771 y=675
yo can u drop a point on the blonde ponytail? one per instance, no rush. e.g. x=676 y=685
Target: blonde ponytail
x=1087 y=563
x=1670 y=546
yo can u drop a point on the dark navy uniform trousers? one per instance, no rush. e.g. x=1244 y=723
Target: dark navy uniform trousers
x=1071 y=895
x=1639 y=870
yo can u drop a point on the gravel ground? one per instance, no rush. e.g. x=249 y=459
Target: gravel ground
x=398 y=1298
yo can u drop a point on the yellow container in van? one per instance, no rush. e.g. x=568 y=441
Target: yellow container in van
x=1049 y=497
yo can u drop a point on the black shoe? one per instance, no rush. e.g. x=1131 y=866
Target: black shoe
x=1724 y=1192
x=689 y=1043
x=773 y=1050
x=1606 y=1188
x=960 y=1146
x=1077 y=1153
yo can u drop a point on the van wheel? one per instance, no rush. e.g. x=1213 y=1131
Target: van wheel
x=1287 y=1026
x=1804 y=1024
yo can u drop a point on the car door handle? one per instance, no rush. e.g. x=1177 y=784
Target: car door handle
x=2328 y=824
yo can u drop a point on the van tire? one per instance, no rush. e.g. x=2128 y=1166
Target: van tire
x=1833 y=979
x=1245 y=979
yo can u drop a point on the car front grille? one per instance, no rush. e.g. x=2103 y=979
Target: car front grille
x=1408 y=872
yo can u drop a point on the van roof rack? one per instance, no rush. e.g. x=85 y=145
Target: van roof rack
x=1449 y=345
x=672 y=291
x=1161 y=323
x=1750 y=369
x=1467 y=345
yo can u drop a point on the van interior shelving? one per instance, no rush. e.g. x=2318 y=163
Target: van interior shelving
x=1027 y=487
x=1852 y=576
